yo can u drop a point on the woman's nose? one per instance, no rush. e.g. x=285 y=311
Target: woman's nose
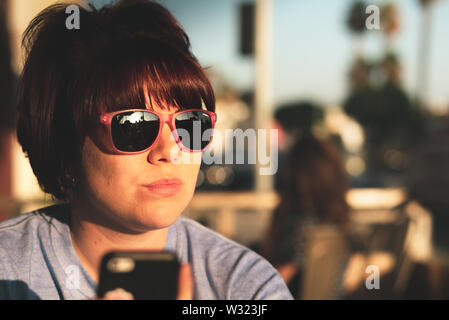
x=165 y=149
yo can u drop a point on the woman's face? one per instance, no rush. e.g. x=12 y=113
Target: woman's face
x=115 y=184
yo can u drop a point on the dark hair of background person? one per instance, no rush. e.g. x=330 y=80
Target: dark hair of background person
x=70 y=75
x=299 y=115
x=314 y=188
x=7 y=78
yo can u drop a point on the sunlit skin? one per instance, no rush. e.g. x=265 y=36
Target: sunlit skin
x=115 y=211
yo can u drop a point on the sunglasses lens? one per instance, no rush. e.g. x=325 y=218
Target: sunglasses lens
x=193 y=128
x=134 y=131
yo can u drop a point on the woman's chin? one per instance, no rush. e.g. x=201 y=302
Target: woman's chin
x=156 y=219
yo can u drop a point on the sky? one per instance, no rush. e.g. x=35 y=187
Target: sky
x=312 y=46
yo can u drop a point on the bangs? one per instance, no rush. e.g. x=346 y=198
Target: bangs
x=125 y=72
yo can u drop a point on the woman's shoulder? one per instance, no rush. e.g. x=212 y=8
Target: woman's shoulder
x=204 y=236
x=247 y=274
x=18 y=230
x=199 y=241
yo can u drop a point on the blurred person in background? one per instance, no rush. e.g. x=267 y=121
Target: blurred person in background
x=294 y=120
x=391 y=123
x=98 y=109
x=313 y=192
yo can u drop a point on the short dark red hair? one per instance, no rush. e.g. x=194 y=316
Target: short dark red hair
x=119 y=52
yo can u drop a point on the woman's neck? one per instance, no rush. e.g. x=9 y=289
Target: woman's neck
x=92 y=240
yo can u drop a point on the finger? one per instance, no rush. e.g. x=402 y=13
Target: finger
x=118 y=294
x=185 y=282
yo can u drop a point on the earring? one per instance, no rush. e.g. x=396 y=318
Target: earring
x=70 y=181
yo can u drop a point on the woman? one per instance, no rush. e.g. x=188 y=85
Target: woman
x=96 y=113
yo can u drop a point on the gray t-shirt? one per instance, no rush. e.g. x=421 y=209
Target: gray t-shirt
x=38 y=261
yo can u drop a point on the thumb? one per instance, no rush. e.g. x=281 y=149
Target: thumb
x=185 y=282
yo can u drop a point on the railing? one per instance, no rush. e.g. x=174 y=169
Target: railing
x=245 y=215
x=228 y=209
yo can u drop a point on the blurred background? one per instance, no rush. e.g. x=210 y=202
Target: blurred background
x=359 y=91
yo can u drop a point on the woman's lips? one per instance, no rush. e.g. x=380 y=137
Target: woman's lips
x=165 y=187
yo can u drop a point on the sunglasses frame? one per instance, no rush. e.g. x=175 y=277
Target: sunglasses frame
x=106 y=120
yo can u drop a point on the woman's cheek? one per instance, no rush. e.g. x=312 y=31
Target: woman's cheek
x=193 y=170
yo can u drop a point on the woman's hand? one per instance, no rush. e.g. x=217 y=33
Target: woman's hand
x=185 y=287
x=185 y=282
x=287 y=271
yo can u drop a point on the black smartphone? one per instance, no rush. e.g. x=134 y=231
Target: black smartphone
x=147 y=275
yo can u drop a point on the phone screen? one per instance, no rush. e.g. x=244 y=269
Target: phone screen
x=146 y=275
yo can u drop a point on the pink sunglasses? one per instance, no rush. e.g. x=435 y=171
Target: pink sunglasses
x=134 y=131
